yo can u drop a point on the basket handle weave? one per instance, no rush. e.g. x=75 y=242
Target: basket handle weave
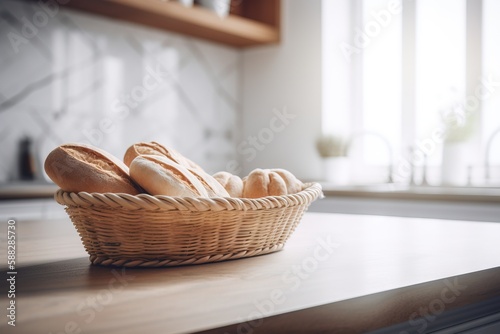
x=310 y=192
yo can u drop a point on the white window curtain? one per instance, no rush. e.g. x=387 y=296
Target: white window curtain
x=412 y=73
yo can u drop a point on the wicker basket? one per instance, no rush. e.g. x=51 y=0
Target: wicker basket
x=158 y=231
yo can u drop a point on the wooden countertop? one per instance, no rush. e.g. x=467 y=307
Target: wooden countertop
x=337 y=273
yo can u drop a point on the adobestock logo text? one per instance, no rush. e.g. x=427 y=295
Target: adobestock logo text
x=363 y=37
x=122 y=106
x=458 y=115
x=292 y=278
x=30 y=28
x=253 y=144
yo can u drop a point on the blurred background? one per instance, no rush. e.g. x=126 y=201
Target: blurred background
x=381 y=101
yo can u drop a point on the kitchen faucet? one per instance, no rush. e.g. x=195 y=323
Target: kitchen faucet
x=384 y=140
x=424 y=181
x=489 y=143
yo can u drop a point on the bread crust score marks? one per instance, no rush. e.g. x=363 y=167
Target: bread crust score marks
x=213 y=187
x=161 y=176
x=79 y=167
x=262 y=183
x=96 y=160
x=154 y=148
x=293 y=185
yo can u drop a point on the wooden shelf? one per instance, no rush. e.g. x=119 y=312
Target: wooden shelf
x=258 y=24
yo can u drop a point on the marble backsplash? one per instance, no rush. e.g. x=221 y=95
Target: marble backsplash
x=75 y=77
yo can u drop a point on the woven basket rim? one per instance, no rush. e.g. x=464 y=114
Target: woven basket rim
x=166 y=262
x=310 y=192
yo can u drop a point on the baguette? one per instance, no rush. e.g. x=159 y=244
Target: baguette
x=212 y=186
x=159 y=175
x=79 y=167
x=154 y=148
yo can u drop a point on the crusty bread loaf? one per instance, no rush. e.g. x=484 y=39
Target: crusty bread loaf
x=159 y=175
x=262 y=183
x=232 y=183
x=212 y=186
x=79 y=167
x=154 y=148
x=293 y=185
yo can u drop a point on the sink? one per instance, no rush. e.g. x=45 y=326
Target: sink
x=402 y=200
x=397 y=190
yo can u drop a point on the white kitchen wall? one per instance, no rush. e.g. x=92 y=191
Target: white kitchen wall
x=82 y=78
x=282 y=95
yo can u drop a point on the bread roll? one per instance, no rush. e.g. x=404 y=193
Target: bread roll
x=293 y=185
x=79 y=167
x=154 y=148
x=212 y=186
x=232 y=183
x=161 y=176
x=262 y=183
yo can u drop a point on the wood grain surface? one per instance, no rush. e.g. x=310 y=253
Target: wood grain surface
x=337 y=273
x=237 y=31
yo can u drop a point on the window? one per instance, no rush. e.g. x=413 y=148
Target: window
x=491 y=67
x=415 y=74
